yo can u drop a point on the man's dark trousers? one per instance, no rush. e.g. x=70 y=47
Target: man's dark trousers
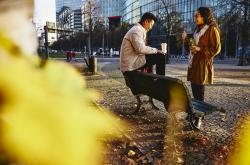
x=158 y=60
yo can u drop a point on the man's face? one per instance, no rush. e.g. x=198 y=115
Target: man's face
x=149 y=24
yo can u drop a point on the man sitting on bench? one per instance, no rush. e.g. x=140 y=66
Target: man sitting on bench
x=135 y=55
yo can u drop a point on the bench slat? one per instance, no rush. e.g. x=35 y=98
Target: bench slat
x=161 y=88
x=205 y=107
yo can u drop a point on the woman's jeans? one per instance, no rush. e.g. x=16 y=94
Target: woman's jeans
x=198 y=91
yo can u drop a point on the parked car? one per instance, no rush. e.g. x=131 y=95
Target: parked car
x=100 y=52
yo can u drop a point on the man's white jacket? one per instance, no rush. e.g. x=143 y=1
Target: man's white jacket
x=134 y=49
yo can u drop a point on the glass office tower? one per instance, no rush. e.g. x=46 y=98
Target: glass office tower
x=108 y=8
x=72 y=4
x=133 y=9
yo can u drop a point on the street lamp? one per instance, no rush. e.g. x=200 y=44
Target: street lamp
x=46 y=43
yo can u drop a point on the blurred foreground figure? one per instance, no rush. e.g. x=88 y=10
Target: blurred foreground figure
x=47 y=116
x=15 y=16
x=241 y=150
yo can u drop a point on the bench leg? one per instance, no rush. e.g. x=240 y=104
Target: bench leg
x=195 y=121
x=138 y=106
x=152 y=103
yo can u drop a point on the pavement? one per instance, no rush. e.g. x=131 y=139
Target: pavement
x=231 y=90
x=233 y=61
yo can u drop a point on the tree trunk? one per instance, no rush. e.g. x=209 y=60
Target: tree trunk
x=243 y=38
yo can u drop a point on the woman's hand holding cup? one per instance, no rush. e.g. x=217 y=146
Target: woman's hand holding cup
x=194 y=49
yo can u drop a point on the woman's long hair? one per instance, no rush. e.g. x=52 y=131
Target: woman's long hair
x=208 y=16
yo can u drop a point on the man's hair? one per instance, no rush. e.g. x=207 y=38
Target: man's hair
x=148 y=16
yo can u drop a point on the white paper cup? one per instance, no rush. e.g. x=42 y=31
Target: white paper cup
x=164 y=47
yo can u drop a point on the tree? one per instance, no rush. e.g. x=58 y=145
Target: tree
x=76 y=42
x=90 y=16
x=229 y=32
x=99 y=29
x=241 y=9
x=115 y=37
x=171 y=20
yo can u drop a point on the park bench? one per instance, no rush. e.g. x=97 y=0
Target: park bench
x=172 y=92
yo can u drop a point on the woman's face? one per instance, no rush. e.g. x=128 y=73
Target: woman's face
x=199 y=20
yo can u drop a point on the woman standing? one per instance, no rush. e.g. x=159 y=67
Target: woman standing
x=206 y=46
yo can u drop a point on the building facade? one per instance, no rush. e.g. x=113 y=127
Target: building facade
x=100 y=11
x=133 y=9
x=76 y=19
x=69 y=19
x=73 y=4
x=88 y=11
x=64 y=17
x=108 y=8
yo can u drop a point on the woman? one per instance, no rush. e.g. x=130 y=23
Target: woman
x=202 y=52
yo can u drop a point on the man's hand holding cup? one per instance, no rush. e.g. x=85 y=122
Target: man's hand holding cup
x=160 y=52
x=163 y=50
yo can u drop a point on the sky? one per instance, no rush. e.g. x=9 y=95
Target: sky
x=45 y=10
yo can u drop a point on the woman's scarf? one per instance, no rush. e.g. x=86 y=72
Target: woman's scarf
x=197 y=36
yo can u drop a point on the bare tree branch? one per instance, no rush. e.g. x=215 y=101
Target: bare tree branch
x=242 y=2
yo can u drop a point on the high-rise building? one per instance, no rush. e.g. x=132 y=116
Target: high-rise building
x=68 y=14
x=110 y=12
x=72 y=4
x=70 y=19
x=101 y=11
x=108 y=8
x=131 y=11
x=64 y=17
x=76 y=17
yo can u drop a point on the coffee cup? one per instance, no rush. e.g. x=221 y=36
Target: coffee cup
x=164 y=47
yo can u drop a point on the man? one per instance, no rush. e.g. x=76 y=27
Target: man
x=134 y=52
